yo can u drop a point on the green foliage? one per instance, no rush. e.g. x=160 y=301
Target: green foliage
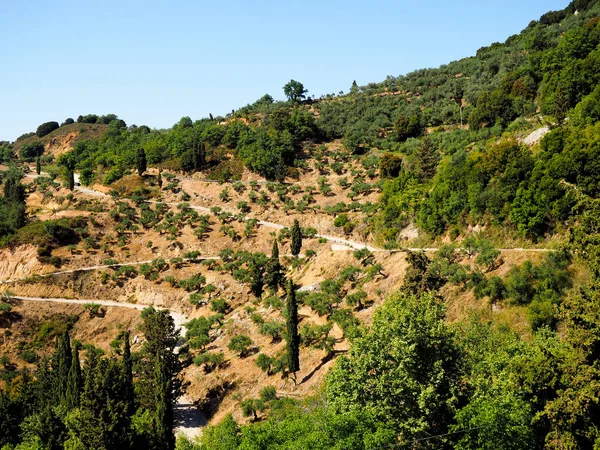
x=31 y=150
x=240 y=344
x=140 y=161
x=408 y=127
x=296 y=244
x=292 y=337
x=294 y=91
x=46 y=128
x=409 y=357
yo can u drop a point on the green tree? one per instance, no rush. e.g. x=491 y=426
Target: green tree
x=296 y=233
x=273 y=270
x=61 y=365
x=74 y=382
x=256 y=279
x=292 y=337
x=163 y=418
x=38 y=165
x=224 y=436
x=46 y=128
x=128 y=374
x=30 y=150
x=160 y=365
x=70 y=175
x=294 y=91
x=404 y=372
x=140 y=161
x=240 y=344
x=426 y=159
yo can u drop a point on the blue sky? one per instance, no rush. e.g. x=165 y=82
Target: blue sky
x=152 y=62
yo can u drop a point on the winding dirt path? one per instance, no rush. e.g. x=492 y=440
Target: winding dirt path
x=333 y=239
x=99 y=267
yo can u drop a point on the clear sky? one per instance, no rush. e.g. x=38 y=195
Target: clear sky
x=152 y=62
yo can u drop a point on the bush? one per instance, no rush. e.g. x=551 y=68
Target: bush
x=29 y=356
x=240 y=344
x=210 y=360
x=219 y=305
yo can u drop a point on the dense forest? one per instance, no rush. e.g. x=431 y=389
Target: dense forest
x=119 y=400
x=446 y=145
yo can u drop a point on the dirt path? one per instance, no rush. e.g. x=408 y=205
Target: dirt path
x=100 y=267
x=188 y=418
x=333 y=239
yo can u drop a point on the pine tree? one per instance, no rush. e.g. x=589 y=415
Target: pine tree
x=273 y=270
x=61 y=365
x=74 y=381
x=296 y=238
x=292 y=338
x=427 y=159
x=140 y=161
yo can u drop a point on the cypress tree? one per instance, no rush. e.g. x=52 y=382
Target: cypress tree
x=292 y=338
x=163 y=419
x=296 y=238
x=140 y=161
x=61 y=365
x=273 y=272
x=70 y=179
x=200 y=156
x=74 y=382
x=256 y=279
x=38 y=165
x=128 y=374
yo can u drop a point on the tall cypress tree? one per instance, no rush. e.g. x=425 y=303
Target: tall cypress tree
x=70 y=179
x=200 y=155
x=74 y=381
x=140 y=161
x=163 y=418
x=273 y=271
x=128 y=374
x=61 y=365
x=256 y=279
x=292 y=338
x=296 y=238
x=38 y=165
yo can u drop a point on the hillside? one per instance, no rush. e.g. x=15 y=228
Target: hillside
x=425 y=247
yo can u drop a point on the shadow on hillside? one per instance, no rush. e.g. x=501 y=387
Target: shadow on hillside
x=188 y=415
x=324 y=361
x=214 y=398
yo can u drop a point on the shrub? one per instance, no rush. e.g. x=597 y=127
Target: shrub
x=219 y=305
x=240 y=344
x=210 y=360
